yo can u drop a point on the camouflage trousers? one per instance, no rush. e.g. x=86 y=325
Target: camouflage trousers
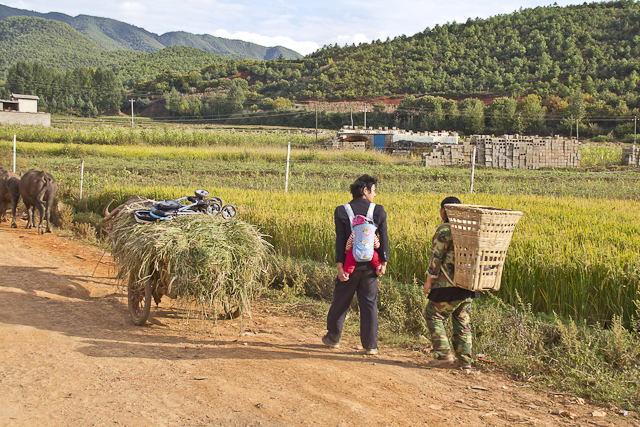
x=436 y=313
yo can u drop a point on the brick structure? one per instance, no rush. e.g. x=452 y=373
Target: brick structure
x=32 y=119
x=508 y=152
x=22 y=110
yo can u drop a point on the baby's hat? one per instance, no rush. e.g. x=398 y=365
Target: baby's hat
x=359 y=219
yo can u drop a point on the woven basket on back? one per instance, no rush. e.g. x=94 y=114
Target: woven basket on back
x=481 y=237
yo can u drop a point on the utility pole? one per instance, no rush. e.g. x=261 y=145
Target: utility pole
x=316 y=122
x=571 y=128
x=364 y=110
x=131 y=112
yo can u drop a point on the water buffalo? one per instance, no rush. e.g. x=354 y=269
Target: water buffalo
x=9 y=193
x=138 y=201
x=36 y=189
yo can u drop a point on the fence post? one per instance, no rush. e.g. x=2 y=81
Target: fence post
x=14 y=154
x=286 y=183
x=473 y=168
x=81 y=177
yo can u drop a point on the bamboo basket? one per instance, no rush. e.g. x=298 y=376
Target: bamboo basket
x=481 y=237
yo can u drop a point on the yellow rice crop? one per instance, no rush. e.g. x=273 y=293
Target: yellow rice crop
x=577 y=257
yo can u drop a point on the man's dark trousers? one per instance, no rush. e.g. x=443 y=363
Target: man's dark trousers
x=365 y=283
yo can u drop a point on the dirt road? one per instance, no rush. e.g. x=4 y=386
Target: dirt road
x=69 y=356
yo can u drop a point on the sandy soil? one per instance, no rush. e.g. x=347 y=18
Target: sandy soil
x=69 y=355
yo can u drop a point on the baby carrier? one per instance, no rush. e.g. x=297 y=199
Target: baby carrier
x=364 y=231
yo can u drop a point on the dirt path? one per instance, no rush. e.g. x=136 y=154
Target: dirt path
x=69 y=355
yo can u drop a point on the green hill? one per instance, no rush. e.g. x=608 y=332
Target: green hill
x=50 y=43
x=57 y=45
x=116 y=35
x=546 y=50
x=226 y=47
x=179 y=59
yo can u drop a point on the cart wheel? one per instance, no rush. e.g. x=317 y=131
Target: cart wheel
x=214 y=208
x=140 y=303
x=215 y=199
x=228 y=211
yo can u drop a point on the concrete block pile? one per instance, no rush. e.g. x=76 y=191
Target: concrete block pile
x=631 y=155
x=509 y=152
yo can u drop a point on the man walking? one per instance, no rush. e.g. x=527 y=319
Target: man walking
x=364 y=279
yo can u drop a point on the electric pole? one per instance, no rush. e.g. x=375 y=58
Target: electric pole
x=364 y=110
x=571 y=128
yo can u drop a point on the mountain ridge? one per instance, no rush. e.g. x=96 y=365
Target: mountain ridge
x=111 y=34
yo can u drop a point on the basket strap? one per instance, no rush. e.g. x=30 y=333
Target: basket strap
x=442 y=269
x=447 y=276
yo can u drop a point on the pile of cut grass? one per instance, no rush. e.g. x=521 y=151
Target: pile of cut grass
x=205 y=261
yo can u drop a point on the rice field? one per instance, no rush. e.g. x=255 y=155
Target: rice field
x=572 y=256
x=575 y=252
x=173 y=136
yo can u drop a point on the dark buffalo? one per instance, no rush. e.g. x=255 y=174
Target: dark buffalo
x=9 y=193
x=38 y=190
x=137 y=201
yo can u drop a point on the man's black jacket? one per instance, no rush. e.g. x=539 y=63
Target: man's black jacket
x=343 y=229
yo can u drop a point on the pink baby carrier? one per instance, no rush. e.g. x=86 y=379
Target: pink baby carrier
x=364 y=232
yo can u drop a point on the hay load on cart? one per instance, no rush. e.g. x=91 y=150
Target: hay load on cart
x=210 y=263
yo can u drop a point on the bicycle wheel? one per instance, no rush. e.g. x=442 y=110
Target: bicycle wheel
x=228 y=211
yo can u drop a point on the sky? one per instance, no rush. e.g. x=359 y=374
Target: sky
x=301 y=25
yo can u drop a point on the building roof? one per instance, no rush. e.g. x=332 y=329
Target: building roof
x=18 y=96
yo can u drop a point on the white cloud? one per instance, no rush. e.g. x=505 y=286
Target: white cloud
x=132 y=7
x=302 y=47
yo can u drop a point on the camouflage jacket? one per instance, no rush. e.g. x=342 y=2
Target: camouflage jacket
x=442 y=257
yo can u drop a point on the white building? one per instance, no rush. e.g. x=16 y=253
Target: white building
x=382 y=139
x=22 y=110
x=20 y=103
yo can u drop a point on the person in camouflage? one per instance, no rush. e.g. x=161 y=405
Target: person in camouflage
x=446 y=301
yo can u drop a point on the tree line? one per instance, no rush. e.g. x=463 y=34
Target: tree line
x=84 y=91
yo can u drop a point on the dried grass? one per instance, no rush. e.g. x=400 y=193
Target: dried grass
x=204 y=261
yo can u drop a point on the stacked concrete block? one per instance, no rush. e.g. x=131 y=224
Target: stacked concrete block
x=509 y=152
x=631 y=155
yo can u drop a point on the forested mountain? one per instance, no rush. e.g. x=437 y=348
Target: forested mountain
x=546 y=50
x=537 y=71
x=116 y=35
x=51 y=43
x=226 y=47
x=54 y=44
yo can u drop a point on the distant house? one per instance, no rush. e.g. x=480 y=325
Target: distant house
x=390 y=139
x=22 y=109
